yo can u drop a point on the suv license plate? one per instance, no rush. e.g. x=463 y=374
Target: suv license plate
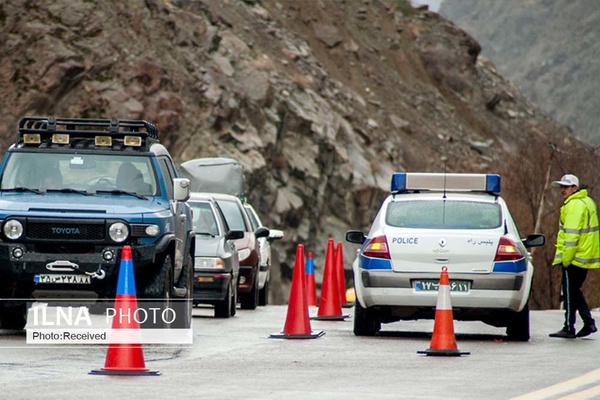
x=64 y=278
x=431 y=285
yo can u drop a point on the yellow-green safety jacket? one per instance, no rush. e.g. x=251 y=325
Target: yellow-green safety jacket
x=578 y=240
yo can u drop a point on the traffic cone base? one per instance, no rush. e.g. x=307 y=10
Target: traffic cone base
x=443 y=341
x=331 y=317
x=311 y=335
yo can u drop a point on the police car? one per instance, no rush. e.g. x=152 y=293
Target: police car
x=430 y=221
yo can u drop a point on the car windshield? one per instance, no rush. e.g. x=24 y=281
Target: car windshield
x=204 y=219
x=92 y=173
x=443 y=214
x=233 y=215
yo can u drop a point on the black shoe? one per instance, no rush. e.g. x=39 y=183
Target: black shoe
x=564 y=333
x=587 y=330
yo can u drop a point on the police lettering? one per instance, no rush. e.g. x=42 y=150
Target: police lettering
x=402 y=240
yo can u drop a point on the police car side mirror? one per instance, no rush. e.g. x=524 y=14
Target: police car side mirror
x=181 y=189
x=355 y=237
x=534 y=240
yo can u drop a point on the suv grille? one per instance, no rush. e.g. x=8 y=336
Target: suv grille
x=77 y=231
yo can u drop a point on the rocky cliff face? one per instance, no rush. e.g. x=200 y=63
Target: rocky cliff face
x=320 y=101
x=549 y=48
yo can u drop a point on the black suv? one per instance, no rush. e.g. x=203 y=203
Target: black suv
x=73 y=192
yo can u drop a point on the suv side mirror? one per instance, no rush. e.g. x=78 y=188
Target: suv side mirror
x=181 y=189
x=355 y=237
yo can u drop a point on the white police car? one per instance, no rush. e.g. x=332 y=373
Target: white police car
x=434 y=220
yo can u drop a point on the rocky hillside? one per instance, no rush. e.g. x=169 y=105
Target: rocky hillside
x=549 y=48
x=320 y=101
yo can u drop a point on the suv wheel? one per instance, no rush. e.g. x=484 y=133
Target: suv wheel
x=517 y=328
x=365 y=321
x=249 y=301
x=159 y=288
x=183 y=306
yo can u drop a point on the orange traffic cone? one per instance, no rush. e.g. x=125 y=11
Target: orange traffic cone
x=297 y=323
x=311 y=288
x=329 y=304
x=125 y=358
x=341 y=279
x=443 y=342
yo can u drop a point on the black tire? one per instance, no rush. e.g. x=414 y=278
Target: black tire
x=159 y=288
x=183 y=306
x=13 y=316
x=249 y=301
x=235 y=297
x=263 y=294
x=223 y=307
x=365 y=322
x=517 y=329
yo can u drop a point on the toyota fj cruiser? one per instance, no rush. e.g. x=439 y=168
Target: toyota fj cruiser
x=73 y=192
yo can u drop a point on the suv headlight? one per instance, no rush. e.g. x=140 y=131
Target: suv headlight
x=208 y=262
x=118 y=232
x=13 y=229
x=243 y=254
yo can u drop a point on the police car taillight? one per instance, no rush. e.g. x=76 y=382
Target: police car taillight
x=507 y=250
x=377 y=248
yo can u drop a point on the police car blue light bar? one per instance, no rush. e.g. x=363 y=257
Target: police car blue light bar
x=404 y=181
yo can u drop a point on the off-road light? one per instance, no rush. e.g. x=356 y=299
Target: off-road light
x=60 y=138
x=103 y=141
x=152 y=230
x=133 y=141
x=32 y=138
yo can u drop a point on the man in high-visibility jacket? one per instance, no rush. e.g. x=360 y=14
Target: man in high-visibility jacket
x=577 y=251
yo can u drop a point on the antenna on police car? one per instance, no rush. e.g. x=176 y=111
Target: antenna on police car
x=445 y=161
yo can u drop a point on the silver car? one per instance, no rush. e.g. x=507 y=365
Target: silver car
x=264 y=243
x=434 y=220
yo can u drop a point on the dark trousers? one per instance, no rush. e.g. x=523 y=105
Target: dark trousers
x=572 y=290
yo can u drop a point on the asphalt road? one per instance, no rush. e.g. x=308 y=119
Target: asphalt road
x=236 y=358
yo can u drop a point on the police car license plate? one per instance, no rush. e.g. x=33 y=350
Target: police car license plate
x=431 y=285
x=64 y=278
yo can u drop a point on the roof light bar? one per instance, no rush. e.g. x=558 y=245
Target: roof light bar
x=403 y=181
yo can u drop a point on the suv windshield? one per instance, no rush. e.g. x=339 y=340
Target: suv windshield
x=443 y=214
x=82 y=172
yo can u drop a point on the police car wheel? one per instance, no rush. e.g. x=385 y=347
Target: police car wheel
x=365 y=321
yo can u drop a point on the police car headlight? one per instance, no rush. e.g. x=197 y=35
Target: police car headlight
x=13 y=229
x=118 y=232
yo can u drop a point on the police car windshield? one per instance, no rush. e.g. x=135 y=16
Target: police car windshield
x=69 y=172
x=443 y=214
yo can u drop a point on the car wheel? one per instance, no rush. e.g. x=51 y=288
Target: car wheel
x=159 y=288
x=183 y=306
x=249 y=301
x=13 y=317
x=517 y=328
x=263 y=294
x=365 y=322
x=235 y=298
x=223 y=307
